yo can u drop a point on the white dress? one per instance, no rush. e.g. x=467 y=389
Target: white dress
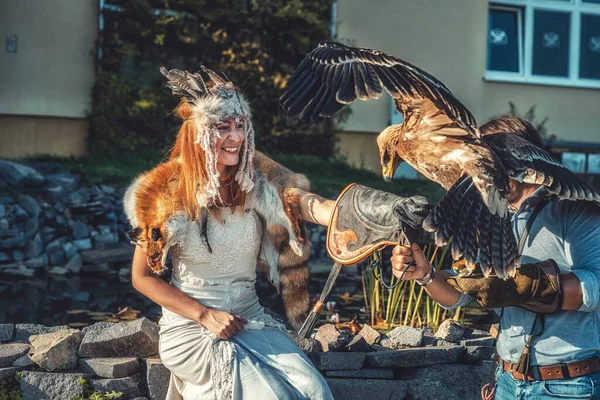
x=259 y=363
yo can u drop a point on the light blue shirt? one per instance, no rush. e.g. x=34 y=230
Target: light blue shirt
x=569 y=233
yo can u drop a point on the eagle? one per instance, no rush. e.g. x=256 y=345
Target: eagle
x=439 y=137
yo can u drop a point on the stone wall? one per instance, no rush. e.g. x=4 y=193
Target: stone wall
x=123 y=357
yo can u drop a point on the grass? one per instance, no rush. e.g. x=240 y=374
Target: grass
x=328 y=176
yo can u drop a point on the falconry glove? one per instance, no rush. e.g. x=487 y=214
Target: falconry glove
x=536 y=287
x=366 y=219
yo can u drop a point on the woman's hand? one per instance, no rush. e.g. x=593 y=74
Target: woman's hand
x=403 y=256
x=222 y=323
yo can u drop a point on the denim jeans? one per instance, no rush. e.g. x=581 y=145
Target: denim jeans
x=583 y=387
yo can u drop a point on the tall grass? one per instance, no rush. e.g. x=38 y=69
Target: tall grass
x=407 y=303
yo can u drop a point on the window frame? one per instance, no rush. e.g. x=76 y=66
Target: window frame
x=526 y=9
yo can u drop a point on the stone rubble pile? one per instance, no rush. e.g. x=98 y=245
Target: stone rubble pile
x=110 y=356
x=404 y=363
x=50 y=221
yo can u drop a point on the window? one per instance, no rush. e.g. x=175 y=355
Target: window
x=554 y=42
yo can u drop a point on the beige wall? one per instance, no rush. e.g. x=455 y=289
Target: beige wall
x=52 y=72
x=448 y=39
x=25 y=136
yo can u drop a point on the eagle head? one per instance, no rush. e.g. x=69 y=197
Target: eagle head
x=390 y=160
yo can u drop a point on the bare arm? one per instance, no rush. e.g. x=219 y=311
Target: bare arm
x=315 y=208
x=147 y=283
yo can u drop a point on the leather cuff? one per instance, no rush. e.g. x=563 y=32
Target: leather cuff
x=547 y=295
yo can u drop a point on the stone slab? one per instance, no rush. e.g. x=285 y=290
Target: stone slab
x=116 y=367
x=479 y=353
x=482 y=341
x=365 y=373
x=118 y=254
x=414 y=357
x=23 y=331
x=338 y=361
x=138 y=338
x=130 y=386
x=6 y=332
x=368 y=389
x=7 y=373
x=10 y=352
x=50 y=386
x=449 y=382
x=157 y=378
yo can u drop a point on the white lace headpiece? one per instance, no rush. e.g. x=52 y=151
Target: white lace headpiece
x=212 y=104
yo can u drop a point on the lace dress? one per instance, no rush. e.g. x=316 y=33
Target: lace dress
x=261 y=362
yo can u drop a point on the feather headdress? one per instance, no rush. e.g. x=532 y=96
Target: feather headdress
x=213 y=102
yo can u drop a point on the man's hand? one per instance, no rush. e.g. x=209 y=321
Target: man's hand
x=536 y=287
x=402 y=256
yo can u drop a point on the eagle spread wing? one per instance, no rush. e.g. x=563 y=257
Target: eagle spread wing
x=333 y=75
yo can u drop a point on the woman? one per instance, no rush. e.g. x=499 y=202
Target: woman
x=215 y=337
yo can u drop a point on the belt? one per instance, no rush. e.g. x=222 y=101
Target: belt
x=569 y=370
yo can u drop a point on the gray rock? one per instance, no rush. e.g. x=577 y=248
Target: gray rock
x=414 y=357
x=17 y=255
x=106 y=241
x=32 y=225
x=2 y=210
x=64 y=180
x=130 y=386
x=371 y=335
x=80 y=230
x=50 y=386
x=117 y=367
x=6 y=374
x=364 y=373
x=97 y=327
x=74 y=264
x=58 y=271
x=57 y=350
x=137 y=338
x=18 y=213
x=83 y=244
x=30 y=205
x=58 y=258
x=462 y=382
x=482 y=341
x=69 y=249
x=480 y=353
x=55 y=246
x=450 y=331
x=4 y=258
x=24 y=331
x=445 y=343
x=157 y=377
x=4 y=224
x=358 y=343
x=34 y=247
x=10 y=352
x=23 y=362
x=18 y=240
x=48 y=233
x=372 y=389
x=6 y=332
x=40 y=261
x=307 y=344
x=17 y=269
x=337 y=361
x=331 y=338
x=402 y=337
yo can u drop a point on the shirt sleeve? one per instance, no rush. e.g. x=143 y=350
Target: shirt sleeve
x=582 y=242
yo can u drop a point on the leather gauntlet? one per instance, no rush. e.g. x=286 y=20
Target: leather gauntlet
x=536 y=287
x=366 y=219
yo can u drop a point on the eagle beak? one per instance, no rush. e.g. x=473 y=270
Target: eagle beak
x=388 y=169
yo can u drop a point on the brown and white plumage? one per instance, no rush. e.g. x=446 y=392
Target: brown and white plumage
x=440 y=139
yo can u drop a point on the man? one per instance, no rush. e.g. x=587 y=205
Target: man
x=554 y=351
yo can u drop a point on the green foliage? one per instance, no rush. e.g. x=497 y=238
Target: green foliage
x=9 y=389
x=257 y=43
x=90 y=394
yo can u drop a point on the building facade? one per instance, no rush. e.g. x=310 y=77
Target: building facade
x=47 y=69
x=530 y=52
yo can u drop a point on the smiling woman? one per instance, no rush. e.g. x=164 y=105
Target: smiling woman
x=212 y=205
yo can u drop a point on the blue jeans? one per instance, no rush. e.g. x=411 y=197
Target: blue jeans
x=584 y=387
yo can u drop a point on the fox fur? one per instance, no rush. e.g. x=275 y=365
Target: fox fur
x=153 y=206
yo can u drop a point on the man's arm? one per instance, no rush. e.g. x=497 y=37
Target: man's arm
x=439 y=290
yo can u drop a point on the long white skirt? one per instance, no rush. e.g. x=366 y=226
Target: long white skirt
x=255 y=364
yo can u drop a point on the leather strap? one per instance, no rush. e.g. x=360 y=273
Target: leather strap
x=569 y=370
